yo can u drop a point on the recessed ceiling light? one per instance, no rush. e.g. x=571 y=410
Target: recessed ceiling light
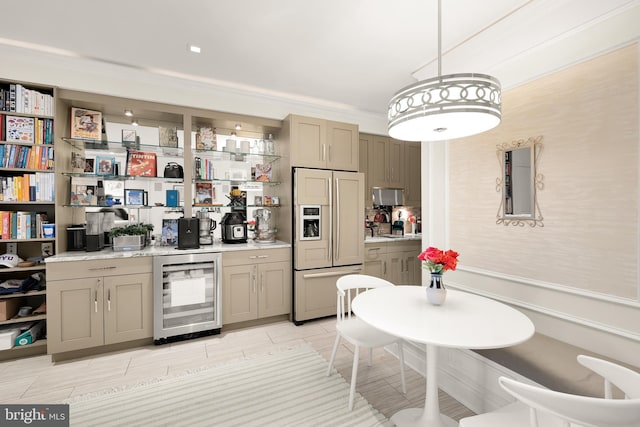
x=134 y=122
x=193 y=48
x=238 y=126
x=128 y=113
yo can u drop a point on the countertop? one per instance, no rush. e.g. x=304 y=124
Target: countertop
x=383 y=239
x=163 y=250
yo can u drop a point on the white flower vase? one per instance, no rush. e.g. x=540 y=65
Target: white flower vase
x=436 y=292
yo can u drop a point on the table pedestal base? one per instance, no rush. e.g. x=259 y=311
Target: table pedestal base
x=417 y=417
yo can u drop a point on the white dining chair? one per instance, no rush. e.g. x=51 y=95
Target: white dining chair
x=357 y=332
x=540 y=407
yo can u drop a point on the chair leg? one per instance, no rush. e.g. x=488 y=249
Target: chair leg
x=354 y=375
x=333 y=353
x=401 y=357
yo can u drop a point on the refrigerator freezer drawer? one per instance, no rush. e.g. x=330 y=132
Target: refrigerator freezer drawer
x=315 y=291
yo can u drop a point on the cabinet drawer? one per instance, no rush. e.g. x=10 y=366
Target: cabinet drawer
x=255 y=256
x=374 y=252
x=99 y=268
x=404 y=247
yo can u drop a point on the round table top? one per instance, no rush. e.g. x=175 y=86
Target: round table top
x=464 y=320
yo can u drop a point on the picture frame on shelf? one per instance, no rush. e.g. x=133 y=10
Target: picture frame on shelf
x=135 y=197
x=89 y=165
x=105 y=165
x=180 y=190
x=129 y=135
x=168 y=136
x=169 y=232
x=257 y=201
x=78 y=161
x=86 y=124
x=204 y=194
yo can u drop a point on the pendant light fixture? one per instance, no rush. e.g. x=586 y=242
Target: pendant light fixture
x=445 y=107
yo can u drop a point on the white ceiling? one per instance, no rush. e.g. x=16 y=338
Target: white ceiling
x=351 y=54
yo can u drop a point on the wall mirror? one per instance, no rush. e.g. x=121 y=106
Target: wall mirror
x=519 y=182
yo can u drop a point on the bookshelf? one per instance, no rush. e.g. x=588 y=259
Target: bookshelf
x=27 y=199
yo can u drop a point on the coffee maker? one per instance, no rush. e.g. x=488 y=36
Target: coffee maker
x=207 y=225
x=94 y=231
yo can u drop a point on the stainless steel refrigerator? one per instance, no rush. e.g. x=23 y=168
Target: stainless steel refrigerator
x=328 y=237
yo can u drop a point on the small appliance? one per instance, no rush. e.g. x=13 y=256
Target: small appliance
x=95 y=232
x=207 y=225
x=234 y=227
x=76 y=238
x=188 y=233
x=265 y=232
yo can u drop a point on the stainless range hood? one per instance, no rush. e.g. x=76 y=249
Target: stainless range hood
x=388 y=196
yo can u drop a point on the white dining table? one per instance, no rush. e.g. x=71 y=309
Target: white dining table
x=464 y=320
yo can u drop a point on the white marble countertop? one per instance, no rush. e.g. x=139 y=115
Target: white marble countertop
x=163 y=250
x=383 y=239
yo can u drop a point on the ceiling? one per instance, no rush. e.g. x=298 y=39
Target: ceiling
x=351 y=54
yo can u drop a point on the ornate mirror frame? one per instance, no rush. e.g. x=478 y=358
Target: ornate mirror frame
x=505 y=187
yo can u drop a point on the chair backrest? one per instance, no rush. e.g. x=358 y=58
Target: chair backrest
x=350 y=286
x=624 y=378
x=586 y=411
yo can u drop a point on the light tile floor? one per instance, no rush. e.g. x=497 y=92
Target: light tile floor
x=36 y=380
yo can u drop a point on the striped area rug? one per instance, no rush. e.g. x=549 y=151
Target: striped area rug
x=283 y=389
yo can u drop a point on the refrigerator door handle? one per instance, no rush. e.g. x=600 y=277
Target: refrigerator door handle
x=332 y=274
x=331 y=239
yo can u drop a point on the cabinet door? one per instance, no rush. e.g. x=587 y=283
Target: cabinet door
x=395 y=164
x=395 y=264
x=343 y=144
x=308 y=142
x=74 y=314
x=412 y=165
x=374 y=260
x=274 y=297
x=348 y=223
x=378 y=165
x=363 y=154
x=239 y=293
x=413 y=267
x=128 y=307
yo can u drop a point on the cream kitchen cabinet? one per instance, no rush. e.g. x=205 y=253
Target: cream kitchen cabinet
x=95 y=303
x=255 y=284
x=412 y=177
x=366 y=142
x=385 y=163
x=396 y=262
x=323 y=144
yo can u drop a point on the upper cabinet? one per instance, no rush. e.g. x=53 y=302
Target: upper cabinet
x=412 y=162
x=324 y=144
x=385 y=165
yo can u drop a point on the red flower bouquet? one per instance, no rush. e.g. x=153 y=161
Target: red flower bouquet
x=438 y=261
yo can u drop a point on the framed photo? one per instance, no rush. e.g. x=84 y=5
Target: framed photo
x=86 y=124
x=180 y=189
x=257 y=201
x=128 y=135
x=89 y=165
x=134 y=197
x=169 y=232
x=105 y=165
x=168 y=136
x=204 y=193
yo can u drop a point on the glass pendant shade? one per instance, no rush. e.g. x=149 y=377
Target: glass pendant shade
x=445 y=107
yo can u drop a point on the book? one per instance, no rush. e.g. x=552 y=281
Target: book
x=86 y=124
x=19 y=129
x=204 y=193
x=206 y=139
x=168 y=136
x=141 y=163
x=263 y=172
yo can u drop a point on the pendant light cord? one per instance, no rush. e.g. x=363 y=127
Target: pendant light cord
x=439 y=38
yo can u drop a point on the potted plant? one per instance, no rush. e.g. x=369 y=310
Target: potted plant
x=131 y=237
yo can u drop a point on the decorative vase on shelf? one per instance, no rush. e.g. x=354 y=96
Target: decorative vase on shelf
x=436 y=292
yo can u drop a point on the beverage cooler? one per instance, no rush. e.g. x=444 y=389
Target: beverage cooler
x=187 y=296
